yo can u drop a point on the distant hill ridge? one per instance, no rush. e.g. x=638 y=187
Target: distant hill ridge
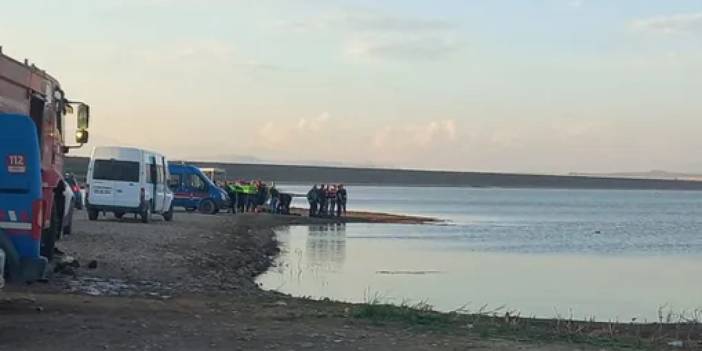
x=654 y=174
x=376 y=176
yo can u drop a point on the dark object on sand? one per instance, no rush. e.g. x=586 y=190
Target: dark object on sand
x=93 y=264
x=66 y=265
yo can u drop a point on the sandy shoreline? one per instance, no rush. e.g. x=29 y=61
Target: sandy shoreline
x=190 y=285
x=369 y=217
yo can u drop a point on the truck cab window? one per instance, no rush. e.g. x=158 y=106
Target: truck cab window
x=36 y=112
x=59 y=123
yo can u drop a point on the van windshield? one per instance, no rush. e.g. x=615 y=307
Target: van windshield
x=126 y=171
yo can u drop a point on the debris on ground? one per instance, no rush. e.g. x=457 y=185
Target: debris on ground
x=66 y=265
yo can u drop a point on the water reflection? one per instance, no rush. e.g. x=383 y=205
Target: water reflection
x=320 y=262
x=326 y=247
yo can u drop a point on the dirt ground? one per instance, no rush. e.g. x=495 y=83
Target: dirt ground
x=190 y=285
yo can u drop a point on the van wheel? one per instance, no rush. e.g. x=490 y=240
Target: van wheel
x=119 y=215
x=168 y=216
x=93 y=214
x=145 y=214
x=207 y=206
x=49 y=235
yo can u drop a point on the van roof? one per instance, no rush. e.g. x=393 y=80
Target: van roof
x=121 y=153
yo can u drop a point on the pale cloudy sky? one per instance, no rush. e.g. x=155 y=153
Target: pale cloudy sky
x=546 y=86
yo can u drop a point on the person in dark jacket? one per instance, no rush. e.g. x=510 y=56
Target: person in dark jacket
x=331 y=200
x=341 y=197
x=262 y=194
x=313 y=199
x=284 y=203
x=275 y=199
x=322 y=194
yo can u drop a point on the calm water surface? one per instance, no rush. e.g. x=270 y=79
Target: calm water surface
x=604 y=254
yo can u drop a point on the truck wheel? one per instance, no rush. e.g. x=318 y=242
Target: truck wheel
x=207 y=206
x=145 y=214
x=93 y=214
x=49 y=235
x=168 y=216
x=119 y=215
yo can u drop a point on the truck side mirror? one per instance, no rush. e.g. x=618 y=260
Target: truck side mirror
x=81 y=136
x=83 y=116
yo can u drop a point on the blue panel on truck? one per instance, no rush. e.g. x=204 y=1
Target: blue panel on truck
x=20 y=182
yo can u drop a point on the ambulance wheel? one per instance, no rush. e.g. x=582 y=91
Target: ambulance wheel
x=49 y=235
x=93 y=214
x=168 y=216
x=145 y=214
x=207 y=206
x=119 y=215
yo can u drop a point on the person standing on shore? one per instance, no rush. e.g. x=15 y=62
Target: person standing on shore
x=230 y=188
x=284 y=202
x=331 y=198
x=322 y=195
x=313 y=199
x=275 y=198
x=341 y=197
x=249 y=197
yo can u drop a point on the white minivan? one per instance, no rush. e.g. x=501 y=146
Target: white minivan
x=128 y=180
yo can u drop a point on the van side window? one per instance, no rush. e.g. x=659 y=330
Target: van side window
x=124 y=171
x=174 y=181
x=196 y=183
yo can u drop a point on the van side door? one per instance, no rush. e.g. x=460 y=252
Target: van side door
x=151 y=181
x=168 y=194
x=161 y=188
x=180 y=194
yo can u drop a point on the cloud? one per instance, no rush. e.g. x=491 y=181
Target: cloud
x=423 y=49
x=368 y=21
x=285 y=134
x=198 y=54
x=187 y=51
x=375 y=35
x=577 y=3
x=315 y=124
x=680 y=23
x=415 y=136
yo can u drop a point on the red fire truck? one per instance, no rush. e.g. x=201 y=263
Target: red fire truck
x=33 y=108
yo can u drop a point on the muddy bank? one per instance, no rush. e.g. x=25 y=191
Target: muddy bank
x=368 y=217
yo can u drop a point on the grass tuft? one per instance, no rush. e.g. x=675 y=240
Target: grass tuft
x=510 y=325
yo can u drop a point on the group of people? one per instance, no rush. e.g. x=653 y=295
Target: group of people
x=327 y=200
x=257 y=196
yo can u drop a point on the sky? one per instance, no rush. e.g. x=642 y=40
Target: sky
x=552 y=86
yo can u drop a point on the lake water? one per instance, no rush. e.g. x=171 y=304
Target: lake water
x=611 y=255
